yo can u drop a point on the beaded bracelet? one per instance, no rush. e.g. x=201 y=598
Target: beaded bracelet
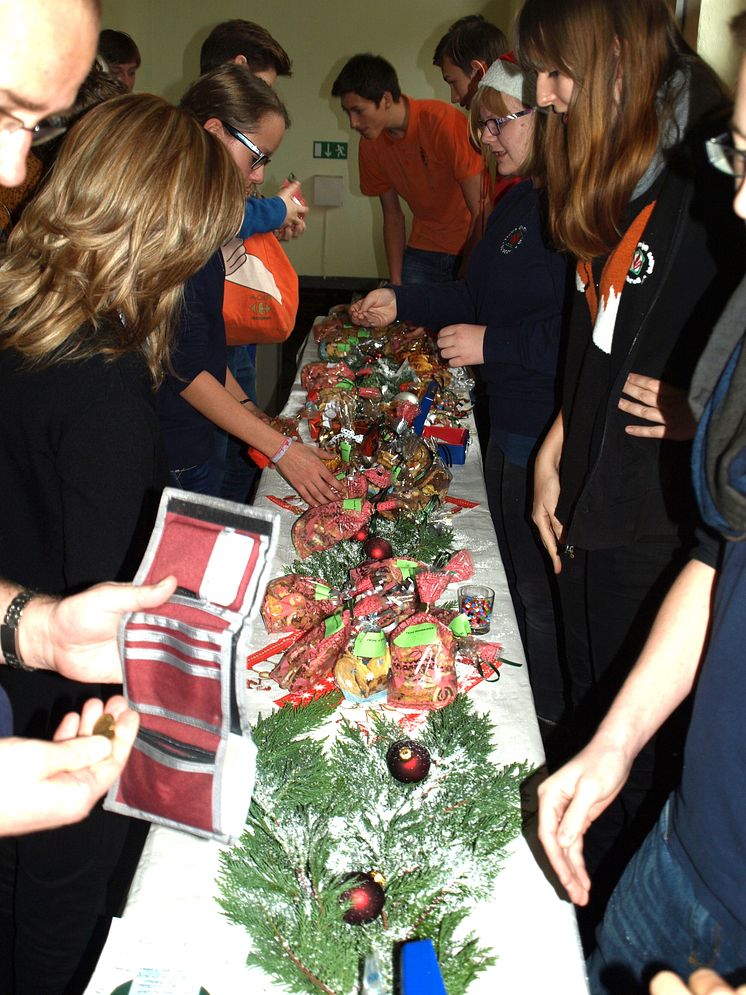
x=281 y=451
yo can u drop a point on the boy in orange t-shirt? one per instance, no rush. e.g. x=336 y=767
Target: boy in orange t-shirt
x=418 y=150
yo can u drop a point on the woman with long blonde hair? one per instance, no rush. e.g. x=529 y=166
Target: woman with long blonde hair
x=656 y=251
x=139 y=198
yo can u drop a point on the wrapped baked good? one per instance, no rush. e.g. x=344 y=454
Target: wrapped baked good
x=423 y=666
x=297 y=603
x=317 y=376
x=324 y=526
x=361 y=671
x=314 y=655
x=380 y=576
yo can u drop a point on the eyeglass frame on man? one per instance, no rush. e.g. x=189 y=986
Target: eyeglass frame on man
x=260 y=158
x=723 y=155
x=44 y=131
x=500 y=122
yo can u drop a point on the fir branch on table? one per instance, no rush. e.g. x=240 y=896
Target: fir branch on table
x=319 y=815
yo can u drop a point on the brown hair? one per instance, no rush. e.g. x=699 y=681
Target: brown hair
x=232 y=93
x=230 y=39
x=138 y=200
x=738 y=29
x=619 y=56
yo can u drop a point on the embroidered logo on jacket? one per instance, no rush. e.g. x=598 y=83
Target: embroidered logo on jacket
x=513 y=239
x=643 y=264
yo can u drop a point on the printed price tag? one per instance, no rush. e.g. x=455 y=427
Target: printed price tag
x=424 y=634
x=370 y=644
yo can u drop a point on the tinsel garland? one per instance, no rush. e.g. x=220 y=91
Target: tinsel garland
x=320 y=813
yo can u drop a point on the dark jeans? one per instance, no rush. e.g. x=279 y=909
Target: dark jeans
x=239 y=470
x=609 y=601
x=655 y=920
x=202 y=478
x=422 y=266
x=530 y=580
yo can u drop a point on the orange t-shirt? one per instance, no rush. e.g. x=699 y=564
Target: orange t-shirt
x=425 y=167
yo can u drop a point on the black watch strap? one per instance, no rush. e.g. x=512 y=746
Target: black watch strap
x=9 y=630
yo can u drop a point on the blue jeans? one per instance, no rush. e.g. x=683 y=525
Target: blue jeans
x=654 y=921
x=239 y=471
x=422 y=266
x=202 y=478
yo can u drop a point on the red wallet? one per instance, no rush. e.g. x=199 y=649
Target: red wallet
x=192 y=765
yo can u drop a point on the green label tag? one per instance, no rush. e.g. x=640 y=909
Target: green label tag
x=370 y=644
x=332 y=624
x=345 y=451
x=345 y=383
x=351 y=504
x=321 y=592
x=395 y=472
x=407 y=567
x=363 y=333
x=460 y=626
x=424 y=634
x=343 y=348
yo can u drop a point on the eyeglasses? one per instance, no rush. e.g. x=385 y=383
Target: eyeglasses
x=260 y=158
x=44 y=131
x=494 y=124
x=723 y=155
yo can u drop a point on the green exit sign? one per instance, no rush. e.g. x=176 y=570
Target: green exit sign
x=330 y=150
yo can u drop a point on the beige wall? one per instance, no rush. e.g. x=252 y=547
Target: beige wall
x=342 y=241
x=320 y=37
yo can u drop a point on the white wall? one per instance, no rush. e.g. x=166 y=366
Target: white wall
x=319 y=37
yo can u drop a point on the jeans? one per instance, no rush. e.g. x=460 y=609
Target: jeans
x=202 y=478
x=530 y=580
x=423 y=266
x=238 y=469
x=654 y=921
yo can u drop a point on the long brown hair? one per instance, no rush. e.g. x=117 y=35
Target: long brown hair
x=232 y=93
x=138 y=200
x=620 y=55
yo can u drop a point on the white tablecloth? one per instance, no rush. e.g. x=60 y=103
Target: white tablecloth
x=172 y=918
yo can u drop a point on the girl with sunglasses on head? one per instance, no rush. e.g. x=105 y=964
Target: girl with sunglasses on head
x=656 y=253
x=505 y=319
x=200 y=394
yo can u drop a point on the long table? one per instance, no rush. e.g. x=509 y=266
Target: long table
x=172 y=922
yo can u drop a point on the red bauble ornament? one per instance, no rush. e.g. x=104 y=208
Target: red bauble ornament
x=408 y=761
x=361 y=535
x=366 y=898
x=377 y=549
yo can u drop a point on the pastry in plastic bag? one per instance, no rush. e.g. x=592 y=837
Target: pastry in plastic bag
x=296 y=603
x=314 y=655
x=324 y=526
x=423 y=665
x=361 y=671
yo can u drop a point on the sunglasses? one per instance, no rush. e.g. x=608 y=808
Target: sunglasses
x=260 y=158
x=723 y=155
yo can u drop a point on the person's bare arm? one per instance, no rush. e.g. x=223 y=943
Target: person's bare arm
x=571 y=799
x=394 y=234
x=301 y=466
x=77 y=636
x=547 y=490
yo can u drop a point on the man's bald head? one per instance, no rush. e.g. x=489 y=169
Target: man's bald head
x=46 y=50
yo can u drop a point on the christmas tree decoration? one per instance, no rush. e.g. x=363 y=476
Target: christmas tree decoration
x=361 y=535
x=365 y=900
x=314 y=820
x=377 y=549
x=408 y=761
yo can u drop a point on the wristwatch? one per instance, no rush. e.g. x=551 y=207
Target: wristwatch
x=9 y=630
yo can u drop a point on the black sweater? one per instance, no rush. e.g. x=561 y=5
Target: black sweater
x=82 y=469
